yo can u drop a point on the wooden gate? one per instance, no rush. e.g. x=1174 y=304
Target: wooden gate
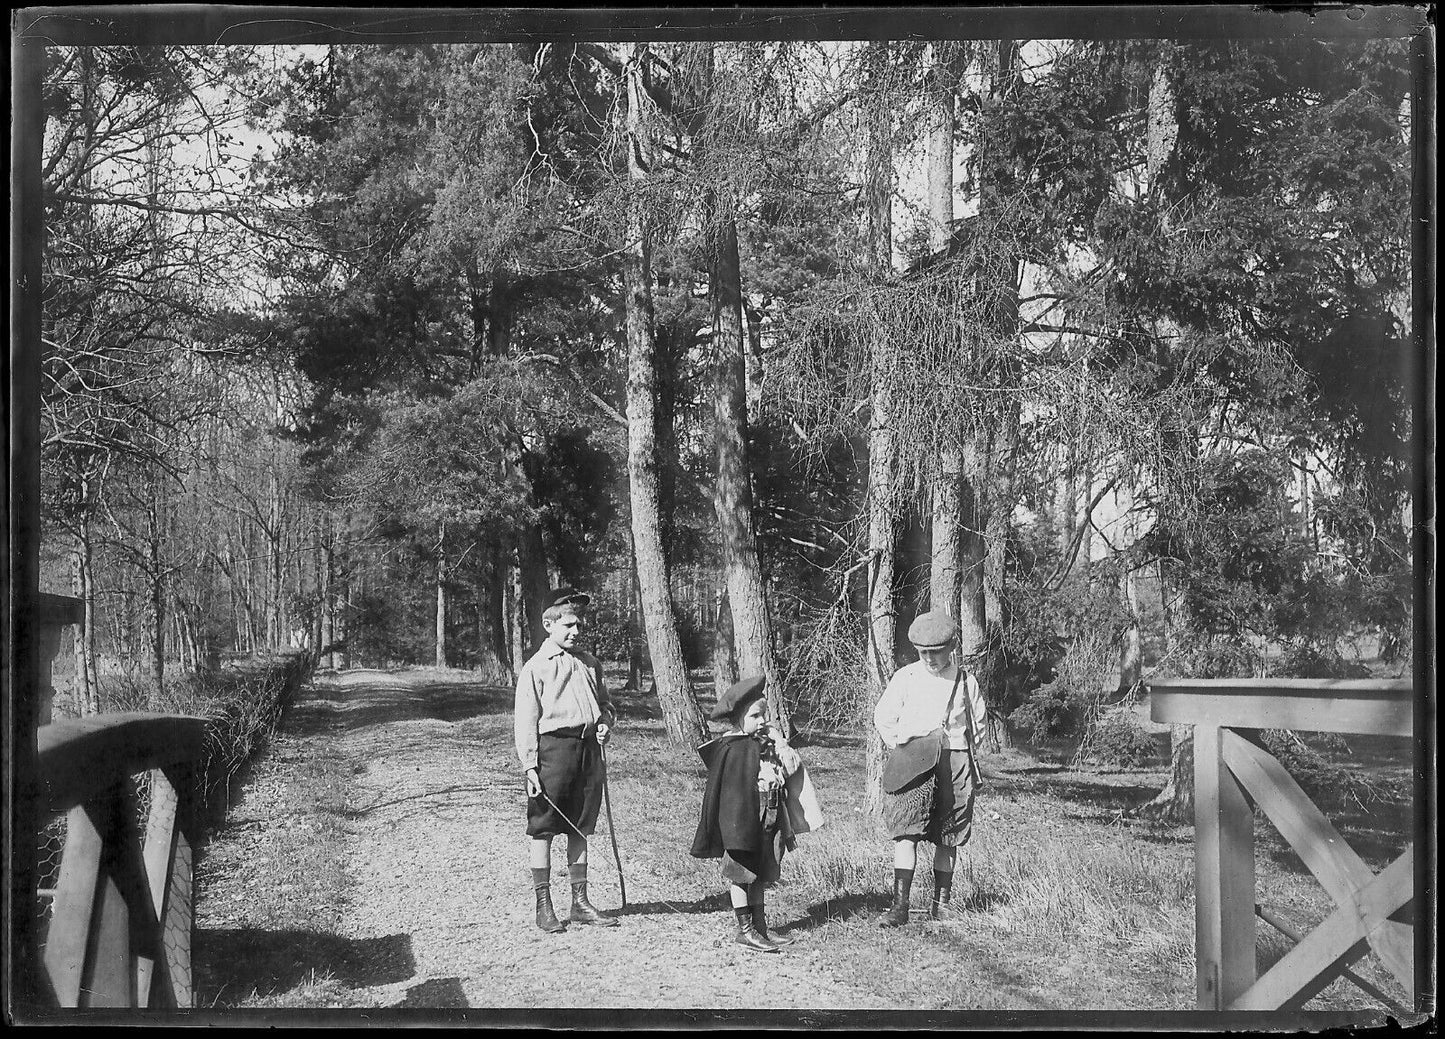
x=119 y=794
x=1372 y=911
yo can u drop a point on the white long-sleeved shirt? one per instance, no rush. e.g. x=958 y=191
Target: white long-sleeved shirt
x=912 y=705
x=557 y=690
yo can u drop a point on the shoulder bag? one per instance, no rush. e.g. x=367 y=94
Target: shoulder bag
x=909 y=762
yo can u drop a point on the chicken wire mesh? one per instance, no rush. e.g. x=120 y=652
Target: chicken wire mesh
x=152 y=804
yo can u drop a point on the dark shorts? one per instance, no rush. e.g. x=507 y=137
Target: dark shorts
x=941 y=811
x=569 y=763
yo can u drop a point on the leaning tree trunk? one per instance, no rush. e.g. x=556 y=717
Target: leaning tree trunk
x=733 y=494
x=882 y=451
x=681 y=716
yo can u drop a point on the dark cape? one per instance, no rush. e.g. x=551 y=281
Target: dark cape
x=730 y=819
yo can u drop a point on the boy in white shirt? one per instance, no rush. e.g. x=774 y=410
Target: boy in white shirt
x=562 y=717
x=940 y=811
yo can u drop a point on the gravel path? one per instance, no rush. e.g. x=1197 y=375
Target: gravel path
x=438 y=859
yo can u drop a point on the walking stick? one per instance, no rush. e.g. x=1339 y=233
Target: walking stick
x=611 y=829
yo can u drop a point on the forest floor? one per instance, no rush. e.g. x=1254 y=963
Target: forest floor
x=375 y=858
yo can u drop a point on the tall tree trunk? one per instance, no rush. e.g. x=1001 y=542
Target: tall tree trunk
x=155 y=567
x=724 y=657
x=493 y=651
x=946 y=563
x=328 y=591
x=684 y=721
x=441 y=583
x=882 y=451
x=733 y=493
x=994 y=490
x=973 y=601
x=756 y=365
x=634 y=622
x=87 y=698
x=1131 y=651
x=517 y=609
x=535 y=585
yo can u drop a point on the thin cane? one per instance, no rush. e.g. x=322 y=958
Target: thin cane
x=621 y=882
x=612 y=829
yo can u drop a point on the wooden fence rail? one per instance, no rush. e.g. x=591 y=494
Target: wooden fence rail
x=1373 y=911
x=120 y=910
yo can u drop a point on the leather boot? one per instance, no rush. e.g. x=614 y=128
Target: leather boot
x=942 y=908
x=546 y=915
x=897 y=914
x=748 y=936
x=583 y=911
x=760 y=924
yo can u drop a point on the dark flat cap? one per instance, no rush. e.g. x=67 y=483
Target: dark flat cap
x=932 y=630
x=738 y=696
x=568 y=597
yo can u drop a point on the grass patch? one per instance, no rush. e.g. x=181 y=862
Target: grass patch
x=273 y=885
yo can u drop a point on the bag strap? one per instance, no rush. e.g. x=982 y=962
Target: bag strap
x=952 y=694
x=968 y=733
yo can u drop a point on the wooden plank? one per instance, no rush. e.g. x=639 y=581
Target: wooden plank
x=1306 y=969
x=1336 y=943
x=69 y=931
x=1364 y=986
x=158 y=856
x=1383 y=708
x=108 y=975
x=1392 y=941
x=1224 y=873
x=80 y=758
x=1341 y=872
x=1338 y=868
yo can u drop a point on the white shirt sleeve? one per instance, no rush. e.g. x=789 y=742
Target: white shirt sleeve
x=887 y=714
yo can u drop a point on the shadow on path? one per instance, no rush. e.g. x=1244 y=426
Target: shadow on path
x=710 y=904
x=277 y=961
x=438 y=992
x=330 y=710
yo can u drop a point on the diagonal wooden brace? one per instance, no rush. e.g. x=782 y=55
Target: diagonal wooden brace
x=1333 y=945
x=1340 y=871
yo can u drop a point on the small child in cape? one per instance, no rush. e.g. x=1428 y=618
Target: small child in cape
x=746 y=819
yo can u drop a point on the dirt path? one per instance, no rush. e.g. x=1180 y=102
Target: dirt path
x=437 y=860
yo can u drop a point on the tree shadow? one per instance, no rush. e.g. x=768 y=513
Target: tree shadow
x=846 y=907
x=233 y=963
x=445 y=702
x=425 y=795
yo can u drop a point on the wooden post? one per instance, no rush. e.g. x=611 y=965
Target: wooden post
x=1224 y=868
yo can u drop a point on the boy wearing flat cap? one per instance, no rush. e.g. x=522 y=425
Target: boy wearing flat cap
x=933 y=691
x=562 y=718
x=745 y=817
